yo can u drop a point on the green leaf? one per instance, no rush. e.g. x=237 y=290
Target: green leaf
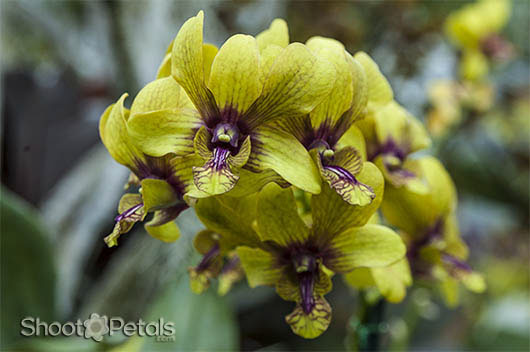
x=28 y=272
x=202 y=322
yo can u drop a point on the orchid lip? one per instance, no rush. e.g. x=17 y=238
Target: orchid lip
x=208 y=258
x=307 y=285
x=128 y=212
x=306 y=268
x=342 y=173
x=458 y=264
x=219 y=158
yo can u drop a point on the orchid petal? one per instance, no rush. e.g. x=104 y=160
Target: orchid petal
x=275 y=149
x=187 y=66
x=379 y=90
x=332 y=215
x=296 y=83
x=366 y=246
x=276 y=34
x=234 y=79
x=278 y=218
x=113 y=133
x=260 y=266
x=231 y=218
x=163 y=120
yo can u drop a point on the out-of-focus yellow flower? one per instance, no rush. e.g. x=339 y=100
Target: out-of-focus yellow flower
x=471 y=24
x=446 y=110
x=511 y=125
x=451 y=99
x=474 y=30
x=429 y=226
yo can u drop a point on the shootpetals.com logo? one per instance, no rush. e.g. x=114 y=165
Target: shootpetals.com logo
x=96 y=327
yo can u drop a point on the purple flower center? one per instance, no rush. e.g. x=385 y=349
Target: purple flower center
x=226 y=133
x=390 y=147
x=319 y=144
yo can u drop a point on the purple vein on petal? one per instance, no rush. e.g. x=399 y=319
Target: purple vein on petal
x=342 y=173
x=219 y=158
x=129 y=212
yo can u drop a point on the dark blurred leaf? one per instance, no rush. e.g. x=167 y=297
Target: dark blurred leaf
x=202 y=322
x=28 y=272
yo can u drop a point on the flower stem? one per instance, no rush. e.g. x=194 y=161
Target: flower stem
x=368 y=330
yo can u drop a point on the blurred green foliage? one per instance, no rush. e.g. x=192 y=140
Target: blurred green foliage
x=28 y=270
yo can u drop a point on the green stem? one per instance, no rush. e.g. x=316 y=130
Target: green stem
x=368 y=331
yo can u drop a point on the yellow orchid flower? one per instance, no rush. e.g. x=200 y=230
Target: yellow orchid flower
x=391 y=133
x=163 y=180
x=237 y=93
x=449 y=100
x=297 y=259
x=390 y=281
x=336 y=146
x=229 y=223
x=474 y=29
x=428 y=222
x=395 y=134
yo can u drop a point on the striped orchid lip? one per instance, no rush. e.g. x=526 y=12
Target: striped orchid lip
x=208 y=258
x=456 y=263
x=307 y=284
x=306 y=267
x=342 y=173
x=130 y=213
x=220 y=156
x=304 y=260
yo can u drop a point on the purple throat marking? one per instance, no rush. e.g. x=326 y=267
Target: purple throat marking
x=129 y=212
x=307 y=270
x=307 y=285
x=219 y=158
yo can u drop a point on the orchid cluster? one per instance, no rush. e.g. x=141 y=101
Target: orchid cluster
x=287 y=152
x=475 y=31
